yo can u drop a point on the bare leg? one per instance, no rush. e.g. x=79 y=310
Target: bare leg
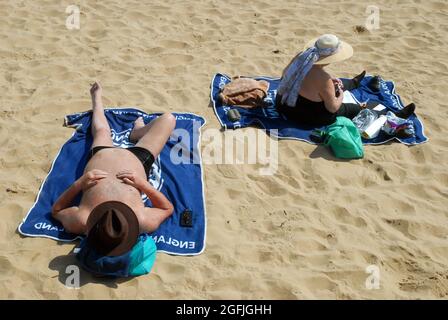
x=100 y=126
x=139 y=129
x=155 y=134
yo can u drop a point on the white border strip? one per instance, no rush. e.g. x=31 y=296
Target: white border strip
x=198 y=146
x=214 y=103
x=37 y=198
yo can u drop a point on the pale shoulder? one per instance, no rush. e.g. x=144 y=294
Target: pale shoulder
x=320 y=73
x=320 y=78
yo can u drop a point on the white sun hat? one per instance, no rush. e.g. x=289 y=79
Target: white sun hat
x=343 y=51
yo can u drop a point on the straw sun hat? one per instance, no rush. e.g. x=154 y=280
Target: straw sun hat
x=328 y=41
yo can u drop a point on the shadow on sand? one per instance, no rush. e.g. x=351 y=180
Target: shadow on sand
x=61 y=263
x=322 y=151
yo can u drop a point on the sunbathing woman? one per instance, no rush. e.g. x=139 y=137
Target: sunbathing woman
x=309 y=95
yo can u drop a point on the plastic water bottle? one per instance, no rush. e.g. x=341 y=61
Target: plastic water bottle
x=364 y=119
x=374 y=129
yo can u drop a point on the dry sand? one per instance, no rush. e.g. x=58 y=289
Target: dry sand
x=310 y=230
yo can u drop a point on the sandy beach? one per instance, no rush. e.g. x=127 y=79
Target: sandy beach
x=307 y=232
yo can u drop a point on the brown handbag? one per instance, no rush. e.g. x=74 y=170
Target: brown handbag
x=244 y=92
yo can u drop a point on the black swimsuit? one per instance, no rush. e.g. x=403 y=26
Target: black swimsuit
x=307 y=112
x=315 y=114
x=142 y=154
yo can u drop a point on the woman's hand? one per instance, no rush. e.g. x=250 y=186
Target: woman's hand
x=338 y=88
x=363 y=105
x=340 y=97
x=91 y=178
x=129 y=177
x=338 y=82
x=328 y=94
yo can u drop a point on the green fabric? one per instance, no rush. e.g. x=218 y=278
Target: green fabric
x=142 y=256
x=344 y=139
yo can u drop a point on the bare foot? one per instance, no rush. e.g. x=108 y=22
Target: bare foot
x=135 y=133
x=96 y=91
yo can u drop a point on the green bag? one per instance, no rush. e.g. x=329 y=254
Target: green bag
x=344 y=139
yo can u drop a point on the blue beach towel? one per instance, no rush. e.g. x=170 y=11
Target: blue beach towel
x=181 y=182
x=269 y=118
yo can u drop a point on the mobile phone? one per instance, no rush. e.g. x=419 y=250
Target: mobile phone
x=338 y=90
x=233 y=115
x=186 y=218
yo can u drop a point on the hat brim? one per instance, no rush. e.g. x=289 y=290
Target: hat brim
x=134 y=228
x=345 y=52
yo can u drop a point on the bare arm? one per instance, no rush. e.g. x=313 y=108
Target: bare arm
x=88 y=179
x=65 y=214
x=157 y=198
x=66 y=199
x=69 y=215
x=162 y=207
x=328 y=95
x=153 y=218
x=70 y=219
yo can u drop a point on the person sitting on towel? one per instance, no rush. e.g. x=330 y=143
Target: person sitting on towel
x=114 y=179
x=309 y=95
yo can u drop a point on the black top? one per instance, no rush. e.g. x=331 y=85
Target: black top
x=307 y=112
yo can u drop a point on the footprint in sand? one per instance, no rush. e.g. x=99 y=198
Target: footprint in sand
x=402 y=226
